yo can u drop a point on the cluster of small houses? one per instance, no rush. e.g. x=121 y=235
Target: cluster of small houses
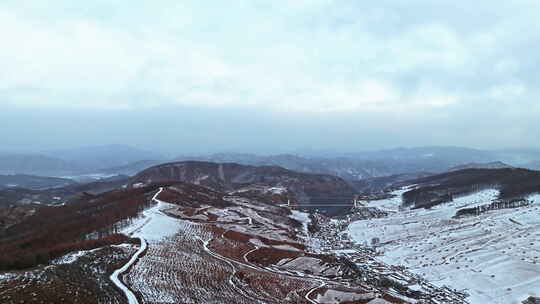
x=496 y=205
x=365 y=213
x=358 y=263
x=372 y=196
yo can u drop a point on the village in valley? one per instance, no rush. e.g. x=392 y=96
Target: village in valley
x=451 y=252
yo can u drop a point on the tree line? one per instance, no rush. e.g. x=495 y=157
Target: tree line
x=54 y=231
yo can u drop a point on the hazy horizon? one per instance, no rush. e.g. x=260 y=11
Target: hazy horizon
x=302 y=152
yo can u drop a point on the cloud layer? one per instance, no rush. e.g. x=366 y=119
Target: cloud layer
x=399 y=65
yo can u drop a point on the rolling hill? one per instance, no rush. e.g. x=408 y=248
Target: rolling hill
x=307 y=189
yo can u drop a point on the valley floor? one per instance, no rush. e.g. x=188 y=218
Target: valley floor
x=232 y=255
x=241 y=250
x=495 y=257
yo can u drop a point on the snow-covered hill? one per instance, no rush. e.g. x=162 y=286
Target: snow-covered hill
x=494 y=256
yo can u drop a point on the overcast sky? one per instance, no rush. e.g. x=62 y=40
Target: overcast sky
x=269 y=76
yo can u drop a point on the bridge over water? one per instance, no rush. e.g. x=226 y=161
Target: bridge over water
x=352 y=204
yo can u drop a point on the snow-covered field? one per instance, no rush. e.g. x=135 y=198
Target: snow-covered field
x=494 y=256
x=153 y=227
x=192 y=266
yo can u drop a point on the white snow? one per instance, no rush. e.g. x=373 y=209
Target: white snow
x=153 y=227
x=336 y=296
x=475 y=199
x=85 y=177
x=132 y=299
x=302 y=217
x=286 y=247
x=263 y=189
x=72 y=257
x=495 y=256
x=307 y=296
x=277 y=190
x=534 y=197
x=7 y=275
x=390 y=204
x=344 y=251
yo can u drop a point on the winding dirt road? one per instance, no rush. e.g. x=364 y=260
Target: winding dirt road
x=115 y=277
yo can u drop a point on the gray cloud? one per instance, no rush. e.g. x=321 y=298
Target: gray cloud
x=270 y=74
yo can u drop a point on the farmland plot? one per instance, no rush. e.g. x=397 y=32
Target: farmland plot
x=233 y=253
x=227 y=255
x=495 y=257
x=178 y=270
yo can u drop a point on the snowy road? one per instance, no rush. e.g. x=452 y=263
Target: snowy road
x=307 y=296
x=132 y=299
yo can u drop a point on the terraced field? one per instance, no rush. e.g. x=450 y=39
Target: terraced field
x=244 y=253
x=185 y=268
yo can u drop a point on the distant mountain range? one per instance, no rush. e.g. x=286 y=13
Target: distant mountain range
x=36 y=164
x=348 y=169
x=103 y=157
x=118 y=159
x=491 y=165
x=131 y=168
x=32 y=182
x=372 y=164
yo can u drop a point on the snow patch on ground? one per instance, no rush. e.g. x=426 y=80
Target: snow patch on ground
x=391 y=204
x=534 y=198
x=302 y=217
x=494 y=256
x=286 y=247
x=475 y=199
x=331 y=296
x=154 y=225
x=7 y=275
x=72 y=257
x=277 y=190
